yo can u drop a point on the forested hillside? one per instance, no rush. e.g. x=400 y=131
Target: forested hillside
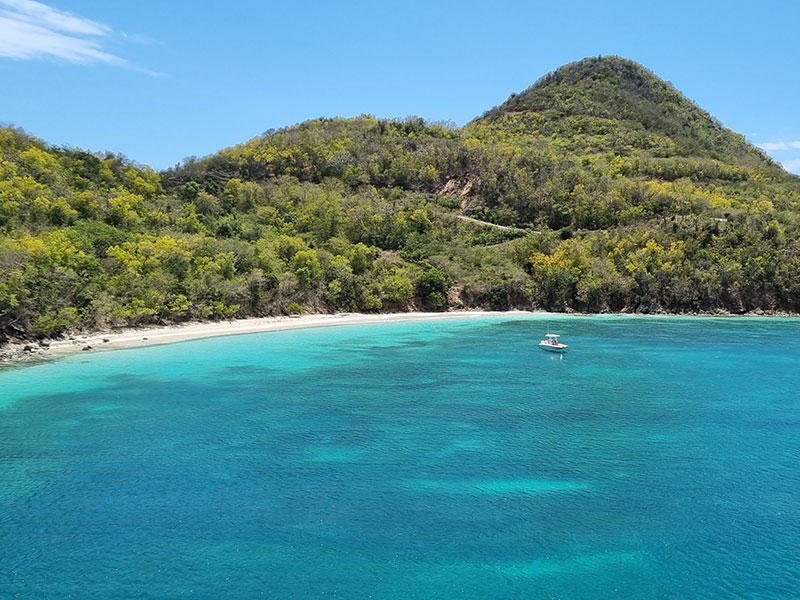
x=618 y=193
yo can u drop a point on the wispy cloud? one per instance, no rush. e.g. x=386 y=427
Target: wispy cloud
x=785 y=152
x=793 y=165
x=52 y=18
x=31 y=30
x=769 y=146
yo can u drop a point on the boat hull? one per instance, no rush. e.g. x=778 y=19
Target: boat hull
x=553 y=347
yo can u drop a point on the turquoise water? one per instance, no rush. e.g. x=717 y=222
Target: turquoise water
x=659 y=458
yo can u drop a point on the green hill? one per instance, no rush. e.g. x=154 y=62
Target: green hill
x=611 y=103
x=615 y=193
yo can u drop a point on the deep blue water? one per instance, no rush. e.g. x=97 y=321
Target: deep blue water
x=659 y=458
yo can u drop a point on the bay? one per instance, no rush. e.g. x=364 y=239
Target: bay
x=658 y=458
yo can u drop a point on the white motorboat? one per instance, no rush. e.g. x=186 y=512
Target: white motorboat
x=551 y=344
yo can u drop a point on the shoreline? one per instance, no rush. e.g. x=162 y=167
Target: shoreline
x=16 y=353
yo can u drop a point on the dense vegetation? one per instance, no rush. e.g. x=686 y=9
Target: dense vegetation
x=618 y=194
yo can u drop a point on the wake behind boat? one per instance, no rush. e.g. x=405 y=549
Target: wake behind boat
x=551 y=344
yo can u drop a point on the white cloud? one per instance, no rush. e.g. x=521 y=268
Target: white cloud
x=779 y=146
x=48 y=17
x=138 y=38
x=24 y=40
x=793 y=166
x=31 y=30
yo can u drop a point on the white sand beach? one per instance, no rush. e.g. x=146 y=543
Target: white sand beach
x=151 y=336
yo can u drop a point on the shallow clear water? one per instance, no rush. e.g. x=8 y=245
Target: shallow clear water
x=659 y=458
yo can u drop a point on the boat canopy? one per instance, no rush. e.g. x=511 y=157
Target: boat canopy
x=551 y=335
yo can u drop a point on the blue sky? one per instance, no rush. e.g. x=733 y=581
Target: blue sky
x=160 y=81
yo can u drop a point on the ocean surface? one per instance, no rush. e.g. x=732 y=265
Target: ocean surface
x=659 y=458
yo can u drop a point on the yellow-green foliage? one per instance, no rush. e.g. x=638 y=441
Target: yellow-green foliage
x=620 y=195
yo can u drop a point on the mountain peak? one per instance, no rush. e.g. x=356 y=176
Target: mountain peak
x=612 y=93
x=603 y=86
